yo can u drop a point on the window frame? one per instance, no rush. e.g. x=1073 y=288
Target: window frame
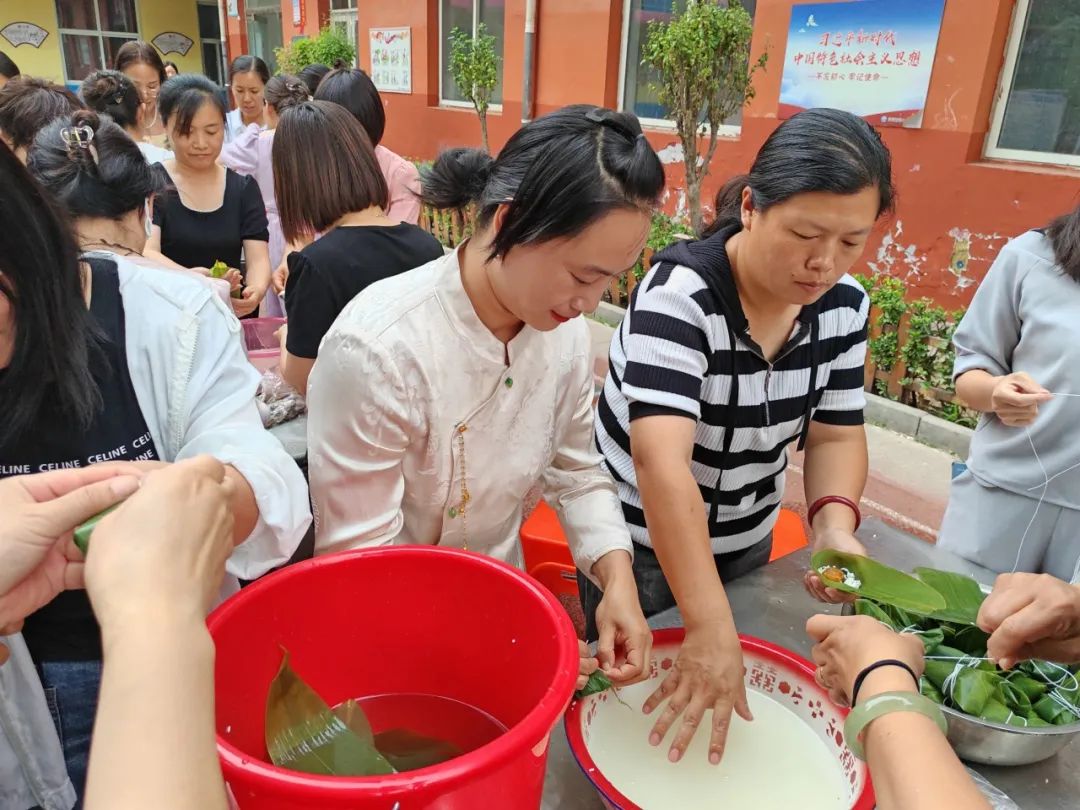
x=99 y=34
x=349 y=19
x=665 y=124
x=453 y=102
x=992 y=151
x=219 y=44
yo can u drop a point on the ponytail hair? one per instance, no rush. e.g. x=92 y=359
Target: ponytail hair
x=558 y=174
x=1064 y=235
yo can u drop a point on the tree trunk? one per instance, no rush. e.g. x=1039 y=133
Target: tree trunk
x=483 y=130
x=693 y=201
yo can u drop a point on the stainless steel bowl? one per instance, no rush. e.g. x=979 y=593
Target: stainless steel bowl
x=987 y=743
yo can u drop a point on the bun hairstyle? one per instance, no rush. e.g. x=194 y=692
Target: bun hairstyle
x=249 y=64
x=114 y=94
x=137 y=52
x=27 y=104
x=284 y=91
x=816 y=150
x=559 y=174
x=91 y=167
x=312 y=74
x=182 y=98
x=356 y=92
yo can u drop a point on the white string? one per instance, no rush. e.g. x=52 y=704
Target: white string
x=1047 y=478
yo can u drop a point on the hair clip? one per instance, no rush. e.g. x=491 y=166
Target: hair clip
x=81 y=136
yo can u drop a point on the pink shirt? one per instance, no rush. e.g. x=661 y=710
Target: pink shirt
x=403 y=183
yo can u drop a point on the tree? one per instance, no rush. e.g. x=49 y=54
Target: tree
x=331 y=44
x=703 y=58
x=474 y=66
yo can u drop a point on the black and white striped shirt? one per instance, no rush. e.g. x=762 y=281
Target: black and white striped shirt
x=684 y=348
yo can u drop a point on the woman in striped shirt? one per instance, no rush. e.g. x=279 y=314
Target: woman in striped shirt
x=710 y=381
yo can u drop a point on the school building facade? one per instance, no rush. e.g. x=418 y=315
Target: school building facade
x=967 y=178
x=997 y=151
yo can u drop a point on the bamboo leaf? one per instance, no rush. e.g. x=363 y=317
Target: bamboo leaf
x=873 y=580
x=963 y=596
x=408 y=751
x=82 y=534
x=302 y=734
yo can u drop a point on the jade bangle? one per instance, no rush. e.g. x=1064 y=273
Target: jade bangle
x=886 y=703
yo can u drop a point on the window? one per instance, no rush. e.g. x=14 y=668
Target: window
x=264 y=29
x=213 y=51
x=91 y=32
x=636 y=93
x=343 y=15
x=1037 y=115
x=467 y=15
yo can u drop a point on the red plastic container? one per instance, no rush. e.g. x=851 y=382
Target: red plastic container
x=263 y=349
x=397 y=620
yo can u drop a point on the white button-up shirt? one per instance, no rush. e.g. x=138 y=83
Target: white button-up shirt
x=405 y=365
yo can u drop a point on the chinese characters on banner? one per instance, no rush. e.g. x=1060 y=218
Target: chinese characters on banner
x=391 y=59
x=871 y=57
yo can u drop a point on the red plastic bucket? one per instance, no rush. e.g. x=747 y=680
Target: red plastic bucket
x=397 y=620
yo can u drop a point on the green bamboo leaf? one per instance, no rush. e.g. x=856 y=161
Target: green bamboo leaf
x=408 y=751
x=963 y=595
x=82 y=534
x=302 y=734
x=873 y=580
x=973 y=689
x=598 y=682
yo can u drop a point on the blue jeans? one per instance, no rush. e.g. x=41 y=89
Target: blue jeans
x=71 y=690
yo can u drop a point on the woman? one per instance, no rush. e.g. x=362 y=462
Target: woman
x=249 y=154
x=1017 y=506
x=8 y=69
x=710 y=382
x=311 y=75
x=248 y=76
x=448 y=393
x=171 y=70
x=28 y=105
x=143 y=576
x=123 y=365
x=114 y=94
x=210 y=213
x=328 y=181
x=139 y=61
x=354 y=90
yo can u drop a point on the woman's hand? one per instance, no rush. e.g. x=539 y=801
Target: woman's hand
x=837 y=540
x=1032 y=616
x=625 y=640
x=587 y=665
x=1016 y=397
x=708 y=674
x=846 y=645
x=249 y=301
x=163 y=552
x=37 y=558
x=280 y=277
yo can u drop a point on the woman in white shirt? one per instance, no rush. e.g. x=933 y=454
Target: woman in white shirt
x=443 y=396
x=248 y=76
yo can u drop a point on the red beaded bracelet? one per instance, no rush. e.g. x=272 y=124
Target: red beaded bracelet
x=817 y=506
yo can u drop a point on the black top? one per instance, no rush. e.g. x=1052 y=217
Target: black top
x=65 y=629
x=200 y=238
x=330 y=272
